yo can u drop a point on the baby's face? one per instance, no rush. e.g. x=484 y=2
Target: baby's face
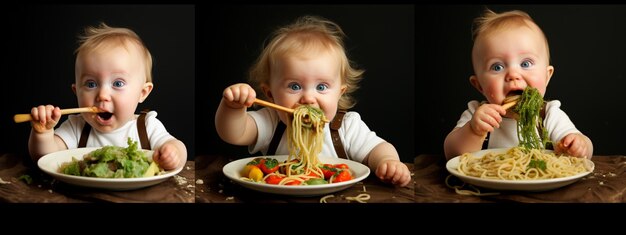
x=112 y=79
x=510 y=60
x=307 y=79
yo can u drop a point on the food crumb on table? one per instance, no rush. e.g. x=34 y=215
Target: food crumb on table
x=180 y=180
x=199 y=181
x=4 y=182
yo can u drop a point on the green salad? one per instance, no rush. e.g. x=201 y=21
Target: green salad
x=112 y=162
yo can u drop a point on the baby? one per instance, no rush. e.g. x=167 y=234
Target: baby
x=114 y=73
x=305 y=64
x=510 y=53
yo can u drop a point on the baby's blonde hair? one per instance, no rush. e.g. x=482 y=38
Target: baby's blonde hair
x=103 y=35
x=307 y=33
x=491 y=22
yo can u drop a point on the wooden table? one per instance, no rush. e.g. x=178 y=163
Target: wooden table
x=217 y=188
x=44 y=188
x=606 y=184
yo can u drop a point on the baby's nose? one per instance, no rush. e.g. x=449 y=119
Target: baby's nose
x=104 y=94
x=307 y=99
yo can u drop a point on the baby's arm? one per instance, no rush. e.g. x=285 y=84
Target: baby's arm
x=388 y=167
x=232 y=122
x=575 y=144
x=42 y=139
x=171 y=155
x=470 y=137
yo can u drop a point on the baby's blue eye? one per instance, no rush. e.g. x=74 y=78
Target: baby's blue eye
x=497 y=67
x=295 y=86
x=118 y=83
x=91 y=84
x=321 y=87
x=526 y=64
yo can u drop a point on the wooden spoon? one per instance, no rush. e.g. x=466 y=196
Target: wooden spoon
x=278 y=107
x=27 y=117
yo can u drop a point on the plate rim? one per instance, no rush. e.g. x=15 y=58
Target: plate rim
x=124 y=183
x=453 y=163
x=293 y=190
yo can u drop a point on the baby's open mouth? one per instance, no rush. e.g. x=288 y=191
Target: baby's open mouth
x=105 y=116
x=516 y=92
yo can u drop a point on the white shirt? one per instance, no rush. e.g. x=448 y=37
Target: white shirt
x=72 y=128
x=356 y=137
x=556 y=123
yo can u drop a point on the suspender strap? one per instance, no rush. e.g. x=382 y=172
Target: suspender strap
x=278 y=134
x=141 y=128
x=486 y=141
x=335 y=124
x=84 y=135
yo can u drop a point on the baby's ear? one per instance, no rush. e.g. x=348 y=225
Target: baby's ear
x=267 y=92
x=343 y=89
x=474 y=81
x=550 y=71
x=145 y=91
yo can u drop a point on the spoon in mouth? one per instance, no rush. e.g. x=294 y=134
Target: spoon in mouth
x=510 y=101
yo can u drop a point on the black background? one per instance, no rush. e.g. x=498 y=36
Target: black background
x=411 y=103
x=587 y=49
x=380 y=40
x=38 y=62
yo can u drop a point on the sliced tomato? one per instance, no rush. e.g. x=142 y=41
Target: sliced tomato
x=341 y=166
x=293 y=182
x=273 y=179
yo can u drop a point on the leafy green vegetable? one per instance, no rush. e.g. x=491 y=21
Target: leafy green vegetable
x=270 y=163
x=26 y=178
x=315 y=181
x=539 y=164
x=110 y=162
x=529 y=107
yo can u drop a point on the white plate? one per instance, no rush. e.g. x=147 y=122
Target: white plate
x=359 y=172
x=521 y=185
x=50 y=164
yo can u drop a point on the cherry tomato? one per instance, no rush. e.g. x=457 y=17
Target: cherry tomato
x=268 y=165
x=343 y=175
x=328 y=171
x=273 y=179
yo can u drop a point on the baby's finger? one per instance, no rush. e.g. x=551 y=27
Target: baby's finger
x=381 y=171
x=391 y=172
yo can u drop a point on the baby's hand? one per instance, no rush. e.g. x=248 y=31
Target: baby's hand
x=239 y=96
x=167 y=156
x=394 y=171
x=574 y=144
x=44 y=118
x=486 y=118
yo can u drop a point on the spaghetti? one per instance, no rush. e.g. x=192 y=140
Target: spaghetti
x=305 y=139
x=521 y=164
